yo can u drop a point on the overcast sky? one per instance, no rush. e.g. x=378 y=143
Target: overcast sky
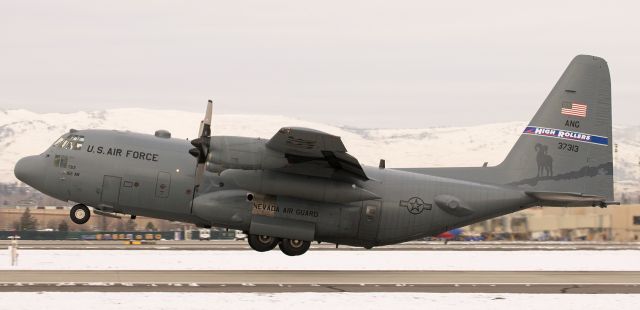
x=356 y=63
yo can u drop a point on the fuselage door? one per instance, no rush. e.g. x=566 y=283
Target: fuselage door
x=110 y=190
x=163 y=184
x=370 y=220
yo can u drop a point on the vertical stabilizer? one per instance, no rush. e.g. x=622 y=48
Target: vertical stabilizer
x=567 y=145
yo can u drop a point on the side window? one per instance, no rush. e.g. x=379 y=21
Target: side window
x=60 y=161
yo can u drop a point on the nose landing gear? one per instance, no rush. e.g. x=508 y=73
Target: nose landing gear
x=80 y=214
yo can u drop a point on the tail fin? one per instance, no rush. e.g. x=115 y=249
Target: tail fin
x=567 y=145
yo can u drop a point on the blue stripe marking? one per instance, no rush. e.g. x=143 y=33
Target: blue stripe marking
x=566 y=135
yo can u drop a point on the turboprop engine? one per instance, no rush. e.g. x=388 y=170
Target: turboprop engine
x=242 y=153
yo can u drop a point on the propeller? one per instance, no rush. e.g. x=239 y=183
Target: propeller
x=202 y=144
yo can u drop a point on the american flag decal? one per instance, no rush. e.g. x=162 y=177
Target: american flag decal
x=574 y=109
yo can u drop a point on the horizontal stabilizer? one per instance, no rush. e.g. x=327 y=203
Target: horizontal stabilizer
x=564 y=199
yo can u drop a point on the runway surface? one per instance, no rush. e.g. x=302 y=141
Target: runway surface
x=133 y=279
x=321 y=281
x=222 y=245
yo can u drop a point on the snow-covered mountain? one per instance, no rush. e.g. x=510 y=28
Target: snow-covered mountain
x=25 y=133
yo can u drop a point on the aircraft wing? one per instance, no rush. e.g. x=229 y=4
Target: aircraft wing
x=315 y=153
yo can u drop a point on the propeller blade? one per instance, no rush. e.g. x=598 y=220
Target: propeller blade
x=195 y=152
x=201 y=144
x=197 y=142
x=205 y=125
x=208 y=113
x=201 y=129
x=199 y=174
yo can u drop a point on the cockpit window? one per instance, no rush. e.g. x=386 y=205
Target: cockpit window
x=66 y=144
x=71 y=142
x=79 y=143
x=59 y=142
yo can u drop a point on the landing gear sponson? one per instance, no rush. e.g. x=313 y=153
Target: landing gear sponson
x=80 y=214
x=289 y=247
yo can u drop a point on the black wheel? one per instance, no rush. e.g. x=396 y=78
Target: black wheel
x=294 y=247
x=262 y=243
x=80 y=214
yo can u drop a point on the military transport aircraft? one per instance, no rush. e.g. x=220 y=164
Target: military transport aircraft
x=302 y=185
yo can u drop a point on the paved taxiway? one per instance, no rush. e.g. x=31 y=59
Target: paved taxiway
x=322 y=281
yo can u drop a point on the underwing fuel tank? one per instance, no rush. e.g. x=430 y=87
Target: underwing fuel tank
x=298 y=186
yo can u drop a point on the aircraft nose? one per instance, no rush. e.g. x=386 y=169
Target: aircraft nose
x=30 y=170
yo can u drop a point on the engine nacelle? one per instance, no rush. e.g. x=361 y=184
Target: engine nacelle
x=242 y=153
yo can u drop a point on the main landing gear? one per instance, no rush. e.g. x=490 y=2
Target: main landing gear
x=262 y=243
x=80 y=214
x=294 y=247
x=291 y=247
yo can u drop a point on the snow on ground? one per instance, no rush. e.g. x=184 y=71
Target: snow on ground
x=622 y=260
x=386 y=301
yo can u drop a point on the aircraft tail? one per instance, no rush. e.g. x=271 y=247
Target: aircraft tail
x=564 y=155
x=567 y=145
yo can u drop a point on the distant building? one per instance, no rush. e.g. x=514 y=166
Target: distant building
x=615 y=223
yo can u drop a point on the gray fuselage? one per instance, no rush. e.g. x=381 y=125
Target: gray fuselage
x=146 y=175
